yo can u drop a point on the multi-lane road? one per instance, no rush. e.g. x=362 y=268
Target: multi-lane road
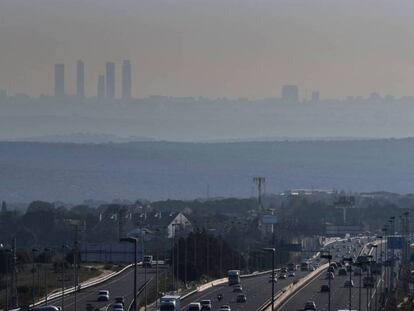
x=339 y=293
x=120 y=285
x=257 y=290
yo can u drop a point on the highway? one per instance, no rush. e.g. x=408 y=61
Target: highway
x=339 y=293
x=121 y=285
x=257 y=290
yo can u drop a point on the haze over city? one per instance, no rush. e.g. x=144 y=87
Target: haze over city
x=212 y=48
x=206 y=155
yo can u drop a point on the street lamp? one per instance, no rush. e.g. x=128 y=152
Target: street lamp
x=46 y=252
x=368 y=263
x=34 y=250
x=135 y=241
x=6 y=252
x=64 y=246
x=350 y=260
x=269 y=249
x=329 y=257
x=376 y=264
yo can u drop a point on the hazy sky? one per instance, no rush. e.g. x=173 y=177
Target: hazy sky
x=212 y=47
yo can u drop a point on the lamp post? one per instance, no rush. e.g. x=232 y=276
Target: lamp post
x=269 y=249
x=384 y=230
x=34 y=250
x=376 y=272
x=134 y=241
x=369 y=275
x=46 y=251
x=350 y=260
x=64 y=246
x=329 y=257
x=359 y=265
x=7 y=251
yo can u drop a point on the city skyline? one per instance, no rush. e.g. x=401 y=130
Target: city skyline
x=232 y=49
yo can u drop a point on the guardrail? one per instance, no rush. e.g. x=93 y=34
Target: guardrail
x=292 y=288
x=245 y=276
x=82 y=285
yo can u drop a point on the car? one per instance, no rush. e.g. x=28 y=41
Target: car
x=291 y=274
x=241 y=298
x=205 y=304
x=47 y=308
x=284 y=270
x=225 y=308
x=349 y=283
x=103 y=295
x=237 y=289
x=283 y=276
x=331 y=269
x=120 y=300
x=329 y=275
x=117 y=306
x=310 y=305
x=325 y=288
x=311 y=268
x=342 y=272
x=274 y=279
x=194 y=306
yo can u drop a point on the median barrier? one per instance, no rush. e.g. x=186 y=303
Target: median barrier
x=83 y=285
x=292 y=288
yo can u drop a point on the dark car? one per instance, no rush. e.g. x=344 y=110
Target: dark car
x=47 y=308
x=241 y=298
x=325 y=289
x=120 y=300
x=310 y=305
x=342 y=272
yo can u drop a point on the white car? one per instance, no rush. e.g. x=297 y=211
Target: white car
x=117 y=306
x=224 y=308
x=103 y=295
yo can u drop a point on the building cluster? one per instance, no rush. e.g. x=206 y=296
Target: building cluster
x=106 y=84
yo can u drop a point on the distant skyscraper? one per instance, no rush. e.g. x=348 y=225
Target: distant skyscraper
x=59 y=80
x=80 y=79
x=290 y=93
x=101 y=86
x=3 y=94
x=315 y=97
x=110 y=80
x=126 y=79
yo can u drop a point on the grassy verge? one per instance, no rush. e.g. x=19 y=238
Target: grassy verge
x=42 y=276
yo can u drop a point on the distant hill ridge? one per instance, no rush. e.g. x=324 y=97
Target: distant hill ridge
x=158 y=170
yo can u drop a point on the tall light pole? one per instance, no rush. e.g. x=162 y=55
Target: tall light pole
x=46 y=252
x=177 y=254
x=376 y=271
x=273 y=250
x=134 y=241
x=350 y=260
x=329 y=257
x=64 y=246
x=34 y=251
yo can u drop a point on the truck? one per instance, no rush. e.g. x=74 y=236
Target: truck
x=234 y=277
x=170 y=303
x=147 y=261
